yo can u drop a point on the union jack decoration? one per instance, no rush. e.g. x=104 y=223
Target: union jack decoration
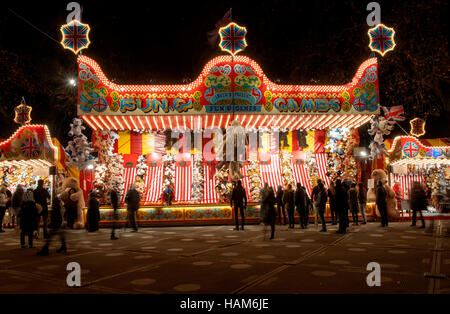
x=23 y=113
x=381 y=39
x=410 y=149
x=30 y=147
x=75 y=36
x=395 y=113
x=232 y=38
x=417 y=127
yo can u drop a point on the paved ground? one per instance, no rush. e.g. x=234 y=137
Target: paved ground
x=216 y=259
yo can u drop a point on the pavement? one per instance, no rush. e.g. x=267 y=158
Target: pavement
x=217 y=259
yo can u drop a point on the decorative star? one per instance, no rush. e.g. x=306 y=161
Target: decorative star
x=23 y=113
x=381 y=39
x=75 y=36
x=232 y=38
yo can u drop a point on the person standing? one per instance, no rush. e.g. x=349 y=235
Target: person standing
x=262 y=192
x=239 y=200
x=341 y=206
x=321 y=203
x=270 y=215
x=280 y=205
x=300 y=205
x=418 y=202
x=353 y=203
x=309 y=207
x=314 y=193
x=93 y=212
x=16 y=202
x=70 y=208
x=362 y=201
x=10 y=223
x=132 y=199
x=3 y=202
x=56 y=221
x=332 y=202
x=382 y=203
x=29 y=219
x=289 y=202
x=168 y=195
x=114 y=199
x=41 y=196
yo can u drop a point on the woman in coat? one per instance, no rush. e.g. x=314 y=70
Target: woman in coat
x=353 y=203
x=418 y=202
x=29 y=218
x=341 y=206
x=332 y=201
x=93 y=212
x=16 y=202
x=288 y=200
x=362 y=200
x=382 y=203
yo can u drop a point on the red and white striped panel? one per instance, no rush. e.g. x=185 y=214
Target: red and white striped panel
x=271 y=173
x=322 y=167
x=406 y=182
x=154 y=184
x=209 y=191
x=129 y=176
x=301 y=175
x=245 y=182
x=183 y=182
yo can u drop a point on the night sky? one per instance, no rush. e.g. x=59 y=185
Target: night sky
x=302 y=42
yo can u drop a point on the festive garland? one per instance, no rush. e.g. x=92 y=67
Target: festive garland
x=286 y=168
x=141 y=173
x=254 y=177
x=198 y=182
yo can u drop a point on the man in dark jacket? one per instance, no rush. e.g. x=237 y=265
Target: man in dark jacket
x=314 y=193
x=418 y=202
x=341 y=206
x=132 y=199
x=382 y=203
x=280 y=205
x=114 y=199
x=289 y=202
x=239 y=200
x=41 y=196
x=300 y=205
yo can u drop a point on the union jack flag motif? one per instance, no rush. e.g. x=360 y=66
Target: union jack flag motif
x=410 y=149
x=23 y=113
x=232 y=38
x=395 y=113
x=30 y=147
x=75 y=36
x=381 y=39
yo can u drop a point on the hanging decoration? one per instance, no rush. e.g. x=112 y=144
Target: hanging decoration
x=254 y=177
x=169 y=172
x=417 y=127
x=22 y=113
x=75 y=36
x=198 y=183
x=381 y=39
x=232 y=38
x=286 y=168
x=79 y=148
x=379 y=126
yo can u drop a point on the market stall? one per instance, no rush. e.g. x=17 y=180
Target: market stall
x=302 y=133
x=421 y=160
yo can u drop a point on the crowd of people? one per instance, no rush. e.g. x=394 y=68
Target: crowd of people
x=27 y=207
x=343 y=196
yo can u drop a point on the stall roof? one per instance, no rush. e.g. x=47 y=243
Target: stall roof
x=225 y=90
x=411 y=150
x=30 y=145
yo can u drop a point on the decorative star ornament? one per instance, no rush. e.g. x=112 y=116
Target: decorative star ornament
x=417 y=127
x=23 y=113
x=232 y=38
x=381 y=39
x=75 y=36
